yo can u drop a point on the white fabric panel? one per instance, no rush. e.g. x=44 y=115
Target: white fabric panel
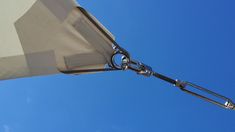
x=10 y=11
x=60 y=8
x=43 y=36
x=13 y=67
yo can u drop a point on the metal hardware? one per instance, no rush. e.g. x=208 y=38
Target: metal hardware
x=219 y=99
x=140 y=68
x=145 y=70
x=86 y=70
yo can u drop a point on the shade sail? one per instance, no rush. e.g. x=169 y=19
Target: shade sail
x=38 y=37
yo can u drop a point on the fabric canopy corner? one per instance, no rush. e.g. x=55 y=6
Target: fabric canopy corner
x=38 y=37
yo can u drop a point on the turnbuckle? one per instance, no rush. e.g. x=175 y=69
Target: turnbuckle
x=201 y=92
x=126 y=63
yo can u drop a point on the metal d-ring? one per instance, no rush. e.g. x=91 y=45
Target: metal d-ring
x=125 y=60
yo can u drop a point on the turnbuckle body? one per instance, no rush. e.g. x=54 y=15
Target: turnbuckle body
x=205 y=94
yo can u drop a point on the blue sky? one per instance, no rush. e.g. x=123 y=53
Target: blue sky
x=185 y=39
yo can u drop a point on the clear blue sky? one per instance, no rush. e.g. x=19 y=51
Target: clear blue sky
x=186 y=39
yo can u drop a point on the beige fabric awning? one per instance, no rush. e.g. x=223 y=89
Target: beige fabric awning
x=38 y=37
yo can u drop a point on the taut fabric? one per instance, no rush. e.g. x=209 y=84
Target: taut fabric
x=41 y=37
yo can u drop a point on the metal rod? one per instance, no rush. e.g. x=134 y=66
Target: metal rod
x=165 y=78
x=86 y=71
